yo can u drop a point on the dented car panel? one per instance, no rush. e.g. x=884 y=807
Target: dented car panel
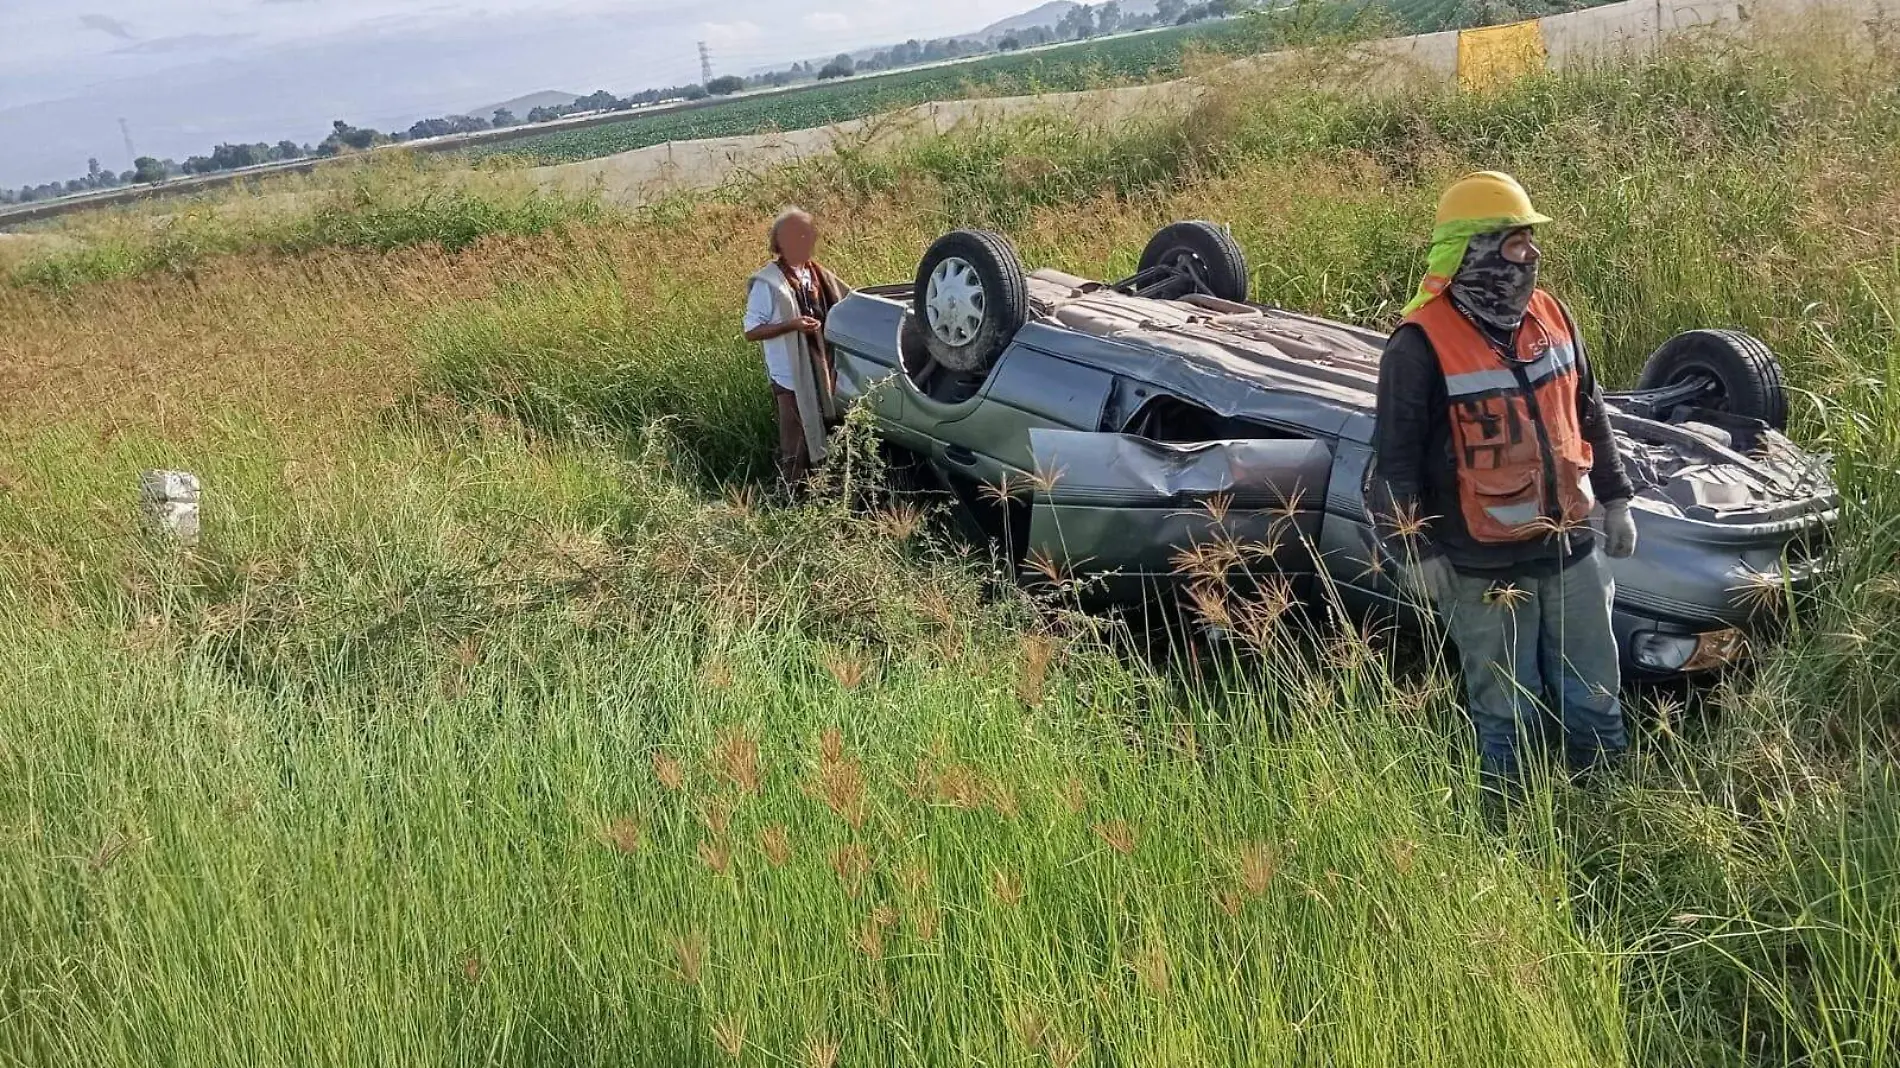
x=1130 y=511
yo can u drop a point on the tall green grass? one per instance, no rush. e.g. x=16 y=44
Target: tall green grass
x=514 y=724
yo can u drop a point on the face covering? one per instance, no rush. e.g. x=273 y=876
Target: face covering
x=1490 y=288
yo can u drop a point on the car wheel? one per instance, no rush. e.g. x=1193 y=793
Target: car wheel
x=970 y=298
x=1204 y=250
x=1743 y=376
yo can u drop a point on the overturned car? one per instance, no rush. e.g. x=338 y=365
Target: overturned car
x=1111 y=428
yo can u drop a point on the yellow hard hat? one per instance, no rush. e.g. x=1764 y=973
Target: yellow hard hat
x=1488 y=196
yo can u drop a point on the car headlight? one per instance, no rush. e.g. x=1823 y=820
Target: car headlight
x=1687 y=652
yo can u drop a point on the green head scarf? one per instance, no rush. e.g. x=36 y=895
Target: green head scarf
x=1449 y=241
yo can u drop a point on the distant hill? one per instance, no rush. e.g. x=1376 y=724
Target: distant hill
x=521 y=105
x=1047 y=14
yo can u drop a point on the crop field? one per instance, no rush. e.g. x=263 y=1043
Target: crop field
x=1079 y=66
x=505 y=716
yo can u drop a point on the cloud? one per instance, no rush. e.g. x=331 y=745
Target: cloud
x=828 y=22
x=189 y=42
x=109 y=26
x=728 y=34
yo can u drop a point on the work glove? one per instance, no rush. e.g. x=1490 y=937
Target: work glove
x=1428 y=581
x=1619 y=529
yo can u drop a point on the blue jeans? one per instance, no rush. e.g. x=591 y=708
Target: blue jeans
x=1538 y=652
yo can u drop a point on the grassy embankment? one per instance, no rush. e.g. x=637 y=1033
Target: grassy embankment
x=498 y=721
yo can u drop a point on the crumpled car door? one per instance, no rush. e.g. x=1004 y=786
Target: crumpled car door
x=1131 y=516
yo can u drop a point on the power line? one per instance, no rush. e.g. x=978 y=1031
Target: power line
x=126 y=132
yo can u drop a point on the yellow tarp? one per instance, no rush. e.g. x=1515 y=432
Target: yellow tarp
x=1494 y=55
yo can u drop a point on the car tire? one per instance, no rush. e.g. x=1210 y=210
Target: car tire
x=1206 y=249
x=970 y=298
x=1743 y=369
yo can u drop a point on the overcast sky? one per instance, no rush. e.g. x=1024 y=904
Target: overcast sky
x=188 y=73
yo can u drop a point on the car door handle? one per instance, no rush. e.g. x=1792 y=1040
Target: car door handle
x=957 y=454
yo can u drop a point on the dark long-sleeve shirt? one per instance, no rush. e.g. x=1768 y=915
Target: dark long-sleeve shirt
x=1414 y=472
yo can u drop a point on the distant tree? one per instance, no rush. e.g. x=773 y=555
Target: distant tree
x=1108 y=17
x=693 y=92
x=93 y=172
x=130 y=177
x=840 y=67
x=725 y=86
x=598 y=100
x=1008 y=44
x=75 y=185
x=1167 y=11
x=542 y=114
x=504 y=117
x=287 y=149
x=1076 y=23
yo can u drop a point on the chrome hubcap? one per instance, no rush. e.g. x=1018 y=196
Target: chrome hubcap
x=953 y=302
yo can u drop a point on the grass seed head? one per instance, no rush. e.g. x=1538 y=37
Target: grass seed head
x=623 y=834
x=925 y=921
x=1151 y=967
x=472 y=967
x=776 y=843
x=670 y=772
x=689 y=955
x=1038 y=653
x=736 y=754
x=1007 y=886
x=820 y=1052
x=1118 y=834
x=1075 y=796
x=717 y=856
x=852 y=863
x=1258 y=862
x=729 y=1034
x=846 y=669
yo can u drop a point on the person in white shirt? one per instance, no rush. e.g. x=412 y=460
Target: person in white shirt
x=786 y=304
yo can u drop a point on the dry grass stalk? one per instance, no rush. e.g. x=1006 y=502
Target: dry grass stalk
x=925 y=921
x=831 y=746
x=870 y=940
x=847 y=669
x=1074 y=795
x=689 y=954
x=1402 y=852
x=717 y=856
x=716 y=673
x=900 y=521
x=622 y=834
x=1038 y=653
x=1007 y=886
x=111 y=848
x=841 y=786
x=914 y=877
x=1228 y=901
x=1002 y=798
x=820 y=1052
x=776 y=843
x=729 y=1034
x=1258 y=862
x=1064 y=1053
x=670 y=772
x=1151 y=967
x=852 y=863
x=1030 y=1025
x=472 y=967
x=717 y=814
x=736 y=754
x=1118 y=834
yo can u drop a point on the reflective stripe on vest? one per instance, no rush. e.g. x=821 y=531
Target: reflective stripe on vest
x=1517 y=444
